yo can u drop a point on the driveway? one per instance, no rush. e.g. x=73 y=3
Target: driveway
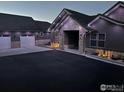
x=24 y=50
x=56 y=71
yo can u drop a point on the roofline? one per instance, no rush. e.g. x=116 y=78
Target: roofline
x=78 y=22
x=16 y=15
x=107 y=19
x=69 y=14
x=55 y=19
x=115 y=6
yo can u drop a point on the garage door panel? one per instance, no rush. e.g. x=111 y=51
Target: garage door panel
x=27 y=41
x=5 y=42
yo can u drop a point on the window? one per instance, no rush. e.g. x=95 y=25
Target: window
x=97 y=40
x=101 y=36
x=93 y=36
x=93 y=40
x=93 y=43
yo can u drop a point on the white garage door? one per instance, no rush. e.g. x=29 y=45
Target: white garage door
x=5 y=42
x=27 y=41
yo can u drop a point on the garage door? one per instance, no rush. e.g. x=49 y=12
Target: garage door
x=5 y=42
x=27 y=41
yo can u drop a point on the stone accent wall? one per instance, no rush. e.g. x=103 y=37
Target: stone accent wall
x=71 y=24
x=42 y=42
x=15 y=44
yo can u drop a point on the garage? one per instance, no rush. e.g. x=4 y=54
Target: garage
x=27 y=41
x=71 y=39
x=5 y=42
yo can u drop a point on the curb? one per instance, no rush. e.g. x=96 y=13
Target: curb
x=95 y=57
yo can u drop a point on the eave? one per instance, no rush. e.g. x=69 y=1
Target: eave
x=60 y=15
x=114 y=7
x=107 y=19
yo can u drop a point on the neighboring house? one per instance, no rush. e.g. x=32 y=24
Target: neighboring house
x=16 y=26
x=69 y=29
x=43 y=26
x=107 y=33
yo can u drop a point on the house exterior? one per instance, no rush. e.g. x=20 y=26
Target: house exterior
x=102 y=34
x=107 y=35
x=69 y=29
x=14 y=27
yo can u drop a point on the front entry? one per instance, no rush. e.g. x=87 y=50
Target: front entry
x=71 y=39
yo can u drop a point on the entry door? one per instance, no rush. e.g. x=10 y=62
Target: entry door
x=27 y=41
x=5 y=42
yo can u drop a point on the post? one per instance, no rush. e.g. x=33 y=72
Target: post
x=82 y=43
x=61 y=40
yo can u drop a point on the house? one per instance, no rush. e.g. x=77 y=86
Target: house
x=102 y=34
x=14 y=28
x=107 y=35
x=43 y=26
x=69 y=29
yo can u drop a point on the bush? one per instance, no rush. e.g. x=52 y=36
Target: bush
x=118 y=57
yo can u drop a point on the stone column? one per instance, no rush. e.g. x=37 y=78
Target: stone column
x=81 y=42
x=61 y=40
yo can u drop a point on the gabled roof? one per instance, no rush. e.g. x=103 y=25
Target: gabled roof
x=107 y=18
x=110 y=20
x=41 y=25
x=82 y=19
x=11 y=22
x=118 y=4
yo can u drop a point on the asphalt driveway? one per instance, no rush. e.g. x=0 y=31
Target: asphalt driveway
x=56 y=71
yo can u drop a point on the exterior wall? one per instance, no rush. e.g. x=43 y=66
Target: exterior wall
x=117 y=14
x=115 y=54
x=15 y=44
x=70 y=24
x=114 y=35
x=42 y=42
x=15 y=37
x=90 y=50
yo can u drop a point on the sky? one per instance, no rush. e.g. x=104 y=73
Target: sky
x=48 y=10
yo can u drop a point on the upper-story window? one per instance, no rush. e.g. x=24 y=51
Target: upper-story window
x=97 y=39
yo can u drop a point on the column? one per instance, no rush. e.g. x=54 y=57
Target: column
x=61 y=40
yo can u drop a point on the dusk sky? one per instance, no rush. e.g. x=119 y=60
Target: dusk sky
x=48 y=10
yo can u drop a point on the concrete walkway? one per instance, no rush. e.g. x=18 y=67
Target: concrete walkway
x=94 y=57
x=17 y=51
